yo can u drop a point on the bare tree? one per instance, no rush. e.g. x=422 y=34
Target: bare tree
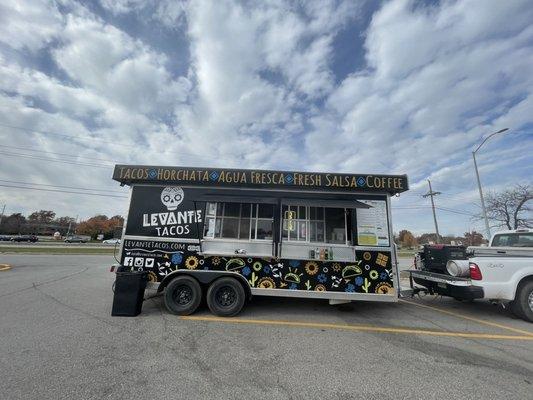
x=511 y=208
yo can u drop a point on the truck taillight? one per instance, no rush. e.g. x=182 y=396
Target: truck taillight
x=475 y=272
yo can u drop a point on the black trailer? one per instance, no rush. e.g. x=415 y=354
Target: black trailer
x=230 y=234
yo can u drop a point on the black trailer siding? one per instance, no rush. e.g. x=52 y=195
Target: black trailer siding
x=371 y=273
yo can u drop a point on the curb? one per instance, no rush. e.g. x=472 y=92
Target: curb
x=5 y=267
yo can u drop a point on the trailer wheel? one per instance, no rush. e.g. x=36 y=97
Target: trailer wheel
x=522 y=305
x=226 y=297
x=183 y=295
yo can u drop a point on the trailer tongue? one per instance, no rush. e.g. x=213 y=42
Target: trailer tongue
x=445 y=285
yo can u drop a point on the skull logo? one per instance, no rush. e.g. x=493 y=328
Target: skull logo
x=172 y=197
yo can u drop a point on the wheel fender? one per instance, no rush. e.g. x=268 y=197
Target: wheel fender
x=206 y=277
x=522 y=281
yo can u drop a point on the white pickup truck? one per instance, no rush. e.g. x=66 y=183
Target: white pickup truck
x=501 y=272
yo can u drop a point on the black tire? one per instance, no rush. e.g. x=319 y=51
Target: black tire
x=522 y=305
x=183 y=295
x=515 y=309
x=225 y=297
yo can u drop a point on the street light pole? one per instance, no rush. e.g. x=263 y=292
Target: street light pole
x=487 y=227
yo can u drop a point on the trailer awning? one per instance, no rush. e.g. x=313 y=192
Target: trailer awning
x=333 y=203
x=236 y=199
x=325 y=203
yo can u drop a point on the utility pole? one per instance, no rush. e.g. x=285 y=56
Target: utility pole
x=2 y=215
x=70 y=224
x=430 y=194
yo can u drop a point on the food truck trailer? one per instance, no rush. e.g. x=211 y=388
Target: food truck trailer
x=229 y=234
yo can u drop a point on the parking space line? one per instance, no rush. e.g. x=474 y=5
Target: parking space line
x=480 y=321
x=359 y=328
x=5 y=267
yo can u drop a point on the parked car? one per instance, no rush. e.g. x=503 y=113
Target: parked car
x=501 y=272
x=5 y=238
x=24 y=238
x=111 y=241
x=75 y=239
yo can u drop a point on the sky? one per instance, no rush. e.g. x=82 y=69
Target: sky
x=382 y=87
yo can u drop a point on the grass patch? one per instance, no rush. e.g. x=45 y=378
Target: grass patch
x=56 y=250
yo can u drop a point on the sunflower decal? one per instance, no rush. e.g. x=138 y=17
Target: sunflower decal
x=152 y=277
x=191 y=262
x=215 y=260
x=266 y=283
x=384 y=288
x=320 y=288
x=311 y=268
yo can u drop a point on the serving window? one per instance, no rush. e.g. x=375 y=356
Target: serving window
x=308 y=224
x=241 y=221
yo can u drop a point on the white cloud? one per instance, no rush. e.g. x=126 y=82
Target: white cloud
x=46 y=22
x=432 y=82
x=104 y=59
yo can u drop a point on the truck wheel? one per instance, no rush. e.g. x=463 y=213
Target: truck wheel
x=225 y=297
x=522 y=305
x=183 y=295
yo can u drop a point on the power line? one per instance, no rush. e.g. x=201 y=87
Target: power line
x=63 y=187
x=414 y=208
x=456 y=211
x=65 y=136
x=64 y=191
x=95 y=139
x=32 y=156
x=59 y=154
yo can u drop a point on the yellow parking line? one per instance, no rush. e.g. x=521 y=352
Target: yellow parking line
x=5 y=267
x=480 y=321
x=360 y=328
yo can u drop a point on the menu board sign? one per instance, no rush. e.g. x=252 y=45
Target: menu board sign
x=260 y=179
x=372 y=226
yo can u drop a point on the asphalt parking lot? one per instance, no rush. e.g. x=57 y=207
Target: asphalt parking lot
x=58 y=340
